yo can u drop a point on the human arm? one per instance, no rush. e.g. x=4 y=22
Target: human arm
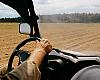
x=42 y=48
x=28 y=70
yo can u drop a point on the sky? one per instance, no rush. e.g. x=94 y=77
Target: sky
x=45 y=7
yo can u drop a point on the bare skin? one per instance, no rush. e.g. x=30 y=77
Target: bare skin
x=42 y=48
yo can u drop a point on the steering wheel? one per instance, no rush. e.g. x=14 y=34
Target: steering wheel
x=23 y=55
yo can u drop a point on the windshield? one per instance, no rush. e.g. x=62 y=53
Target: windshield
x=68 y=24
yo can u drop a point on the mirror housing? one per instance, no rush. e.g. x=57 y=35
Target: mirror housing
x=24 y=28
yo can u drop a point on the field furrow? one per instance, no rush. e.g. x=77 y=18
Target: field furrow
x=71 y=36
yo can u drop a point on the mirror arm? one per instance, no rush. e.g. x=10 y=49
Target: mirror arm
x=36 y=28
x=33 y=19
x=34 y=25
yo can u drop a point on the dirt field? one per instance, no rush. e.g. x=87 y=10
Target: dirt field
x=77 y=37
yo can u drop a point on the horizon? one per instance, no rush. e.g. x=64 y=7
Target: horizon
x=51 y=15
x=49 y=7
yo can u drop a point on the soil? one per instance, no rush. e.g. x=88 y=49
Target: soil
x=80 y=37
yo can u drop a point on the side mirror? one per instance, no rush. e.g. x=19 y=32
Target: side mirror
x=24 y=28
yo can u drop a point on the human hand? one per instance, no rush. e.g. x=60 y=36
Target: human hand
x=44 y=45
x=42 y=48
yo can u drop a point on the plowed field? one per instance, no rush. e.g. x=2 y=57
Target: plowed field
x=70 y=36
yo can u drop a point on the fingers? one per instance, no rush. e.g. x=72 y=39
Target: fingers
x=45 y=44
x=42 y=40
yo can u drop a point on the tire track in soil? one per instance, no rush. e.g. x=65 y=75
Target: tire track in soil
x=76 y=41
x=73 y=37
x=84 y=42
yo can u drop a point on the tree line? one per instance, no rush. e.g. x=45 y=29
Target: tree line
x=17 y=19
x=71 y=18
x=62 y=18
